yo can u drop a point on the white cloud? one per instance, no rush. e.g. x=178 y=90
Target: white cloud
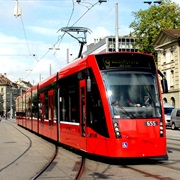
x=97 y=33
x=43 y=30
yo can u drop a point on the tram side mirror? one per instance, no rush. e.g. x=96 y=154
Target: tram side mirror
x=164 y=85
x=163 y=82
x=88 y=84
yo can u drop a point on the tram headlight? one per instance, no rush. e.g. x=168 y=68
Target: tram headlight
x=117 y=130
x=118 y=134
x=161 y=128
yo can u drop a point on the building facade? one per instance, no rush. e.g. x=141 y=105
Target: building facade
x=167 y=45
x=108 y=44
x=9 y=91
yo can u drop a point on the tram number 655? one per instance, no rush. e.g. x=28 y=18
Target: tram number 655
x=151 y=123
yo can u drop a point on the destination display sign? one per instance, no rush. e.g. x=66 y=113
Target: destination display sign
x=125 y=60
x=111 y=62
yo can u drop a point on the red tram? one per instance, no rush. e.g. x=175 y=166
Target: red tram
x=80 y=106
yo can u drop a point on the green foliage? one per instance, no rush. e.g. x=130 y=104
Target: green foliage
x=148 y=23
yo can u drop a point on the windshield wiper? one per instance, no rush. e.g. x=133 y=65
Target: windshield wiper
x=129 y=114
x=149 y=95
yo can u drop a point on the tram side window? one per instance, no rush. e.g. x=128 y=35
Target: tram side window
x=51 y=107
x=28 y=107
x=43 y=106
x=34 y=106
x=55 y=107
x=95 y=112
x=20 y=107
x=46 y=106
x=69 y=95
x=23 y=107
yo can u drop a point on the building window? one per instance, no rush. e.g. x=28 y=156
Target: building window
x=112 y=45
x=165 y=100
x=173 y=101
x=172 y=79
x=164 y=52
x=168 y=56
x=123 y=45
x=172 y=49
x=163 y=59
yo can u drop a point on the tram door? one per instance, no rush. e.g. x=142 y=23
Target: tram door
x=82 y=91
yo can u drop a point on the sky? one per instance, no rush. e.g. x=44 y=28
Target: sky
x=32 y=46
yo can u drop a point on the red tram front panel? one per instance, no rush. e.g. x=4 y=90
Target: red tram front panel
x=142 y=138
x=138 y=140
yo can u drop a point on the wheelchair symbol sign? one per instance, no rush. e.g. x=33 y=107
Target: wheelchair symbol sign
x=124 y=145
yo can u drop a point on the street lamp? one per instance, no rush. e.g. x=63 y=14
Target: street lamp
x=17 y=9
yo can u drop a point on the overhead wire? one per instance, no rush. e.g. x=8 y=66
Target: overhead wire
x=17 y=10
x=60 y=38
x=25 y=36
x=88 y=9
x=36 y=64
x=66 y=25
x=85 y=13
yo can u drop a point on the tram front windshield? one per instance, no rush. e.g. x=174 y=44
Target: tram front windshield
x=132 y=94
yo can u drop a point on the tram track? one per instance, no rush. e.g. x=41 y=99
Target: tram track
x=79 y=167
x=151 y=175
x=132 y=169
x=58 y=165
x=172 y=165
x=172 y=148
x=104 y=170
x=23 y=153
x=173 y=139
x=46 y=166
x=148 y=174
x=169 y=165
x=28 y=150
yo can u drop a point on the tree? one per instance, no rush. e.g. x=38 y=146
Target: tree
x=148 y=23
